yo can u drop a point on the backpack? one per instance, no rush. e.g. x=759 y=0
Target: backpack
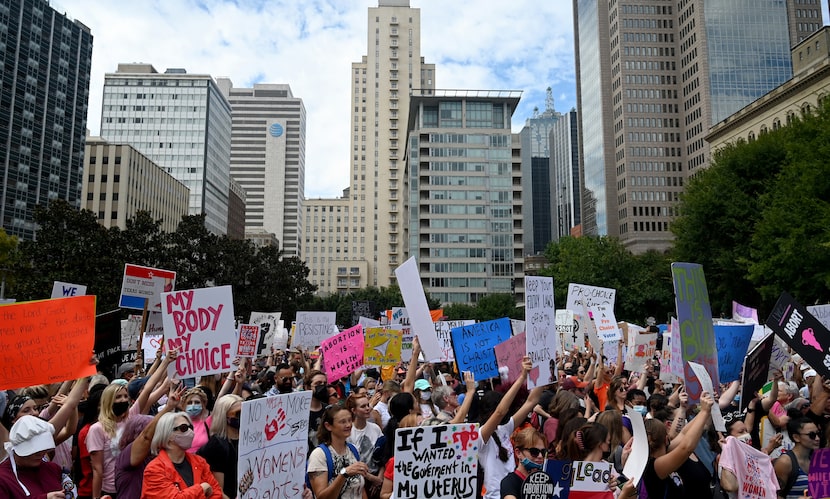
x=793 y=476
x=330 y=461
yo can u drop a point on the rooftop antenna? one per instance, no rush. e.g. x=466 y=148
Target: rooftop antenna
x=535 y=112
x=549 y=101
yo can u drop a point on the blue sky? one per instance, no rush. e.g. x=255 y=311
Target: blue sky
x=476 y=44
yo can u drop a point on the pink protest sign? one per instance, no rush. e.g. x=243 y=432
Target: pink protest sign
x=343 y=352
x=509 y=354
x=248 y=340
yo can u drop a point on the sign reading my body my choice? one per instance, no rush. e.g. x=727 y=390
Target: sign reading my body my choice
x=199 y=323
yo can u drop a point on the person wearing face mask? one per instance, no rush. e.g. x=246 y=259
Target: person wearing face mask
x=176 y=472
x=530 y=449
x=741 y=467
x=113 y=415
x=195 y=403
x=222 y=450
x=423 y=394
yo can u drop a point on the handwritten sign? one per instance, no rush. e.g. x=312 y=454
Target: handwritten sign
x=367 y=322
x=313 y=328
x=822 y=313
x=415 y=300
x=442 y=332
x=130 y=332
x=732 y=343
x=360 y=309
x=666 y=366
x=570 y=334
x=509 y=354
x=474 y=347
x=382 y=346
x=756 y=370
x=67 y=289
x=200 y=324
x=247 y=341
x=610 y=349
x=802 y=332
x=46 y=341
x=150 y=344
x=695 y=317
x=606 y=323
x=540 y=325
x=343 y=352
x=145 y=284
x=819 y=476
x=590 y=296
x=538 y=485
x=678 y=364
x=706 y=384
x=780 y=359
x=641 y=349
x=745 y=314
x=440 y=462
x=270 y=333
x=580 y=479
x=273 y=445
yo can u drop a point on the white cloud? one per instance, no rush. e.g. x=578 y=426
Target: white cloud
x=310 y=45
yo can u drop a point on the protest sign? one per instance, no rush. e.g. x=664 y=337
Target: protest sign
x=200 y=324
x=313 y=328
x=509 y=355
x=538 y=485
x=367 y=322
x=398 y=315
x=406 y=340
x=678 y=364
x=641 y=350
x=605 y=322
x=46 y=341
x=154 y=324
x=540 y=325
x=756 y=370
x=819 y=475
x=420 y=317
x=744 y=314
x=343 y=352
x=150 y=344
x=780 y=359
x=612 y=353
x=145 y=284
x=363 y=308
x=248 y=340
x=269 y=331
x=667 y=373
x=570 y=334
x=517 y=326
x=587 y=324
x=442 y=332
x=694 y=316
x=732 y=343
x=822 y=313
x=67 y=289
x=130 y=332
x=590 y=296
x=474 y=344
x=802 y=332
x=706 y=385
x=440 y=462
x=637 y=460
x=273 y=446
x=382 y=346
x=108 y=340
x=580 y=479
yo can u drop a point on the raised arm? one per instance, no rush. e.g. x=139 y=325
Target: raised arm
x=409 y=381
x=143 y=399
x=674 y=458
x=492 y=423
x=600 y=379
x=141 y=445
x=728 y=395
x=521 y=413
x=461 y=413
x=620 y=359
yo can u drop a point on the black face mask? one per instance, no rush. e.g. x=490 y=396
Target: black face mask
x=287 y=386
x=321 y=393
x=233 y=423
x=119 y=408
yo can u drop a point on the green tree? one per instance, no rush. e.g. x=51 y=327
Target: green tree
x=9 y=260
x=382 y=298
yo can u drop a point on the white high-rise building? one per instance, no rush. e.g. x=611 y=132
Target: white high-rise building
x=181 y=122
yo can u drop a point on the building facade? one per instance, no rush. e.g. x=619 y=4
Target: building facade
x=180 y=121
x=268 y=159
x=121 y=181
x=652 y=78
x=564 y=167
x=45 y=62
x=466 y=222
x=236 y=210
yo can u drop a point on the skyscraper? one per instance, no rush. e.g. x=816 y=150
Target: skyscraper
x=381 y=83
x=564 y=167
x=45 y=61
x=652 y=78
x=268 y=158
x=182 y=122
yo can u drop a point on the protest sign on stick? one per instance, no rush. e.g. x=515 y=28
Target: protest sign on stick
x=382 y=346
x=577 y=480
x=641 y=350
x=570 y=334
x=509 y=355
x=248 y=340
x=474 y=344
x=756 y=370
x=706 y=385
x=67 y=289
x=541 y=340
x=269 y=334
x=802 y=332
x=744 y=314
x=141 y=287
x=822 y=313
x=606 y=323
x=420 y=318
x=343 y=352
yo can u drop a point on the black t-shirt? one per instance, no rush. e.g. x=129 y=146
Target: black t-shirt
x=757 y=408
x=185 y=471
x=511 y=485
x=222 y=455
x=669 y=488
x=696 y=478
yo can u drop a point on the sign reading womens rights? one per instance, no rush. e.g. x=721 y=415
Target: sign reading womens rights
x=199 y=323
x=694 y=315
x=47 y=341
x=802 y=332
x=732 y=343
x=313 y=328
x=541 y=341
x=273 y=446
x=343 y=352
x=439 y=462
x=474 y=347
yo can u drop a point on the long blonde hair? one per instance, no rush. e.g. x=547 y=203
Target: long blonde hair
x=107 y=418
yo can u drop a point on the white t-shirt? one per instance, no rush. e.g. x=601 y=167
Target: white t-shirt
x=365 y=440
x=353 y=489
x=494 y=468
x=383 y=410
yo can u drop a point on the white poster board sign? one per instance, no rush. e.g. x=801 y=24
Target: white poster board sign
x=313 y=328
x=590 y=296
x=270 y=334
x=67 y=289
x=540 y=325
x=415 y=300
x=606 y=323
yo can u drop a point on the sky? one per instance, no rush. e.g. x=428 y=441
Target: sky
x=522 y=45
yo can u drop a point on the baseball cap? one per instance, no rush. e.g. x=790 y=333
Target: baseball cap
x=422 y=384
x=31 y=434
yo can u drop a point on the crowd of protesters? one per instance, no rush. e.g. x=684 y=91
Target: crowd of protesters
x=144 y=435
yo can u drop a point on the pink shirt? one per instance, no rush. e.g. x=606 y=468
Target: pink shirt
x=752 y=468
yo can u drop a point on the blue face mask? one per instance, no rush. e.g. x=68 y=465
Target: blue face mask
x=530 y=465
x=194 y=409
x=643 y=410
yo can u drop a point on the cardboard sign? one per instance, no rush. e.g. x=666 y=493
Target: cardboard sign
x=732 y=343
x=443 y=333
x=130 y=332
x=67 y=289
x=382 y=346
x=343 y=352
x=313 y=328
x=415 y=300
x=270 y=334
x=606 y=323
x=440 y=462
x=666 y=366
x=46 y=341
x=637 y=460
x=150 y=344
x=540 y=325
x=570 y=334
x=802 y=332
x=142 y=284
x=706 y=384
x=247 y=341
x=822 y=313
x=741 y=313
x=273 y=445
x=819 y=476
x=590 y=296
x=756 y=370
x=509 y=354
x=399 y=315
x=200 y=324
x=694 y=316
x=474 y=344
x=641 y=350
x=580 y=479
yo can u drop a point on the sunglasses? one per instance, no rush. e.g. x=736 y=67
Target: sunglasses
x=534 y=452
x=184 y=427
x=811 y=435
